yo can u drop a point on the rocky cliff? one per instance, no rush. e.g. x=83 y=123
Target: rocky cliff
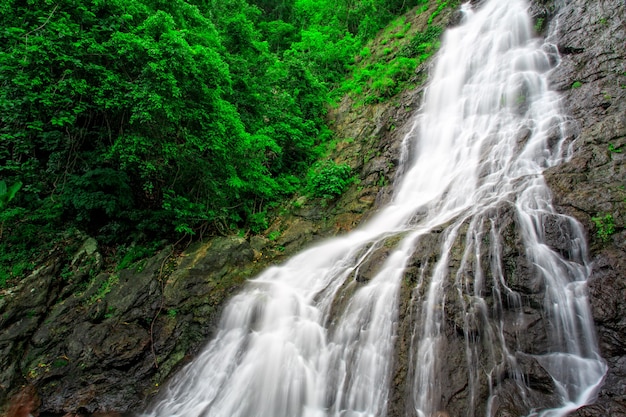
x=591 y=37
x=79 y=338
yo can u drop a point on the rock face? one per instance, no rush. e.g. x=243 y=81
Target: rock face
x=80 y=338
x=590 y=187
x=591 y=38
x=98 y=341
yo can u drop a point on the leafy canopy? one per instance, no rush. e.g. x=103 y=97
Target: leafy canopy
x=144 y=119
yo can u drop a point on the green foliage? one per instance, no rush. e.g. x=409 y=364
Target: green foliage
x=131 y=116
x=273 y=235
x=363 y=18
x=397 y=71
x=141 y=120
x=110 y=312
x=605 y=226
x=329 y=180
x=134 y=253
x=105 y=288
x=7 y=194
x=442 y=5
x=613 y=149
x=60 y=363
x=576 y=84
x=4 y=277
x=98 y=193
x=423 y=44
x=377 y=80
x=24 y=236
x=279 y=35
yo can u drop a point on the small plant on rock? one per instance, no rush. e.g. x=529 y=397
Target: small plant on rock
x=605 y=226
x=614 y=149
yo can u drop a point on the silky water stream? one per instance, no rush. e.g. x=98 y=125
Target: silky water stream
x=307 y=338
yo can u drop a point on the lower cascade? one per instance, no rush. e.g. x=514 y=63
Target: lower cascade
x=465 y=296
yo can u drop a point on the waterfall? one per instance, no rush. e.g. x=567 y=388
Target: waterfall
x=310 y=338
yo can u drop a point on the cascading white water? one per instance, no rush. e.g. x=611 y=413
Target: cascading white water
x=287 y=347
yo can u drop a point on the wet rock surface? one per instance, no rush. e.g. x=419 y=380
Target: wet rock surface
x=589 y=186
x=104 y=341
x=591 y=77
x=489 y=339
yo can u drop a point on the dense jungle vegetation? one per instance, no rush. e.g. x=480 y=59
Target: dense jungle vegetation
x=141 y=120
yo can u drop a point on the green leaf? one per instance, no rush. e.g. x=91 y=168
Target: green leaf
x=7 y=194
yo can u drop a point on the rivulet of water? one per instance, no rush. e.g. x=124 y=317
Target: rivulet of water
x=306 y=339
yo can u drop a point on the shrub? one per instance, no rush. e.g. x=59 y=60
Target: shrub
x=329 y=180
x=423 y=42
